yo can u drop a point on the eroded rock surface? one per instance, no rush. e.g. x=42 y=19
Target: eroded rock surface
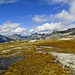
x=66 y=60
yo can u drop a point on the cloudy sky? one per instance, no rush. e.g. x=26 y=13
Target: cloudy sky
x=30 y=16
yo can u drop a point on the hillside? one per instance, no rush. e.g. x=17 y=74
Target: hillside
x=4 y=39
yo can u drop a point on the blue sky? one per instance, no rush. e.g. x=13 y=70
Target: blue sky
x=29 y=16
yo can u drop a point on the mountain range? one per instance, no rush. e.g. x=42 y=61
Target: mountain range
x=37 y=36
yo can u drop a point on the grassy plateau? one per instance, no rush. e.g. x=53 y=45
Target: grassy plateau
x=35 y=62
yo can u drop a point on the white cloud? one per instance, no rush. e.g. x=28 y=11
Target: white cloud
x=59 y=1
x=54 y=1
x=11 y=28
x=42 y=18
x=72 y=7
x=66 y=16
x=7 y=1
x=8 y=26
x=47 y=27
x=20 y=30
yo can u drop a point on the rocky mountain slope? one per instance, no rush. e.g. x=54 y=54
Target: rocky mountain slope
x=4 y=39
x=17 y=37
x=54 y=34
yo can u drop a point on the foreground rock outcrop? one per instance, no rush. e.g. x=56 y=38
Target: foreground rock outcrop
x=66 y=60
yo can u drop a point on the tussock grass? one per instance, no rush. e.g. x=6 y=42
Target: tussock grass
x=59 y=46
x=37 y=63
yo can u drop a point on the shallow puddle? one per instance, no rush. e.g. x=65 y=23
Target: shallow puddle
x=6 y=62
